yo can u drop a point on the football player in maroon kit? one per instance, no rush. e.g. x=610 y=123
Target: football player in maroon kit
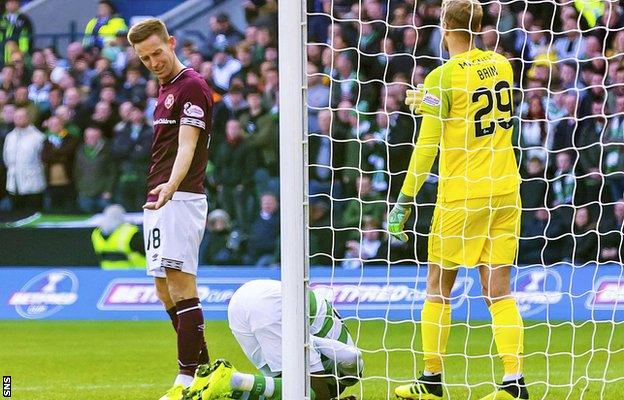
x=176 y=207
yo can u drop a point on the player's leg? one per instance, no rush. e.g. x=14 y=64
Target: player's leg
x=181 y=227
x=436 y=315
x=435 y=329
x=190 y=327
x=499 y=254
x=508 y=329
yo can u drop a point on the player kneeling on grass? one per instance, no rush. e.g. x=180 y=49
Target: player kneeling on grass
x=255 y=318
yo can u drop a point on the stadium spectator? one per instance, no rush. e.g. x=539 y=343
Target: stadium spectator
x=318 y=96
x=371 y=246
x=77 y=109
x=262 y=135
x=235 y=164
x=611 y=231
x=534 y=132
x=26 y=181
x=366 y=203
x=613 y=152
x=224 y=67
x=67 y=117
x=21 y=100
x=16 y=30
x=39 y=90
x=541 y=238
x=94 y=172
x=584 y=242
x=570 y=44
x=130 y=149
x=263 y=239
x=324 y=156
x=590 y=148
x=104 y=118
x=118 y=244
x=220 y=245
x=59 y=151
x=133 y=89
x=6 y=126
x=321 y=234
x=223 y=34
x=103 y=28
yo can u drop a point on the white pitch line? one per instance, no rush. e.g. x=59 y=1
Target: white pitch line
x=81 y=387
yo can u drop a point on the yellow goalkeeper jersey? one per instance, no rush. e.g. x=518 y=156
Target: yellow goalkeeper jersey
x=467 y=110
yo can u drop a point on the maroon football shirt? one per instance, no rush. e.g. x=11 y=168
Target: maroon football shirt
x=184 y=100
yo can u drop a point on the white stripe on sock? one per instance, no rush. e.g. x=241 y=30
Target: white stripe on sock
x=189 y=309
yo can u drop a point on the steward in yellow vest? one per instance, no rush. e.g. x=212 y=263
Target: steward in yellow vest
x=103 y=28
x=117 y=251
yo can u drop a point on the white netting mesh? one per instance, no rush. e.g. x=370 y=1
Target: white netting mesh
x=568 y=136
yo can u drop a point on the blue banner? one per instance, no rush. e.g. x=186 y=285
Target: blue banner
x=560 y=292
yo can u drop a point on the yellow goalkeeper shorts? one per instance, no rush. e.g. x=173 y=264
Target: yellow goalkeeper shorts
x=475 y=231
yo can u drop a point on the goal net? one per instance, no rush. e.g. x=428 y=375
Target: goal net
x=568 y=138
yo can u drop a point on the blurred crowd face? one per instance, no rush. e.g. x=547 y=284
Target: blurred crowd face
x=569 y=103
x=233 y=130
x=324 y=121
x=11 y=6
x=64 y=113
x=268 y=204
x=563 y=162
x=536 y=110
x=54 y=124
x=104 y=11
x=363 y=183
x=21 y=95
x=124 y=110
x=102 y=111
x=535 y=167
x=108 y=94
x=21 y=118
x=582 y=217
x=619 y=210
x=72 y=97
x=8 y=113
x=151 y=89
x=136 y=116
x=255 y=101
x=92 y=136
x=158 y=56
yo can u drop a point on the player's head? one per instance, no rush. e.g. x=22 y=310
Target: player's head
x=461 y=19
x=155 y=47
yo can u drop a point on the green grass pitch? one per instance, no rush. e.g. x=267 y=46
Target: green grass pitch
x=136 y=360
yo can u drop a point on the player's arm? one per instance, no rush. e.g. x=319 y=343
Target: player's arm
x=187 y=141
x=432 y=102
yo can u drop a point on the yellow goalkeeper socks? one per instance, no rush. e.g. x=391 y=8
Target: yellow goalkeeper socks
x=508 y=335
x=435 y=325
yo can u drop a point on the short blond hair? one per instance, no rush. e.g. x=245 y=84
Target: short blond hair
x=464 y=15
x=146 y=28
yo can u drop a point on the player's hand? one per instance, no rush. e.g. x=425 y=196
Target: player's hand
x=396 y=221
x=164 y=191
x=414 y=97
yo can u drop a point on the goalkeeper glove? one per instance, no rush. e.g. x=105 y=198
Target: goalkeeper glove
x=414 y=97
x=398 y=217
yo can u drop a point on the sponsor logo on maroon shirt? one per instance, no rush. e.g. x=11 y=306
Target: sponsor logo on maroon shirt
x=185 y=100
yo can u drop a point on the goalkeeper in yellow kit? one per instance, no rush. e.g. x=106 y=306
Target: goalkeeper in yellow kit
x=467 y=113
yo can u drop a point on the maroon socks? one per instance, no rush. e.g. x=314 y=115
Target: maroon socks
x=188 y=321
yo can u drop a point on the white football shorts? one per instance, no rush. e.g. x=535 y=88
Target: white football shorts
x=255 y=319
x=173 y=233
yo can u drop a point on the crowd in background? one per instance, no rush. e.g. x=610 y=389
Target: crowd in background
x=568 y=125
x=76 y=130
